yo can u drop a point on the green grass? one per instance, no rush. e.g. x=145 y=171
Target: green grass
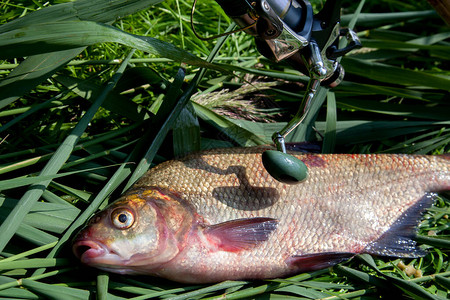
x=108 y=90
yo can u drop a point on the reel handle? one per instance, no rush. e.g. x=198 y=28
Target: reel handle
x=288 y=30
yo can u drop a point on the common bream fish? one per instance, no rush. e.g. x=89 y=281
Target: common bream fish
x=218 y=215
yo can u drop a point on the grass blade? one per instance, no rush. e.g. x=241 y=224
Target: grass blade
x=209 y=289
x=115 y=103
x=145 y=162
x=34 y=263
x=28 y=253
x=186 y=132
x=35 y=69
x=49 y=37
x=434 y=241
x=102 y=286
x=18 y=182
x=440 y=113
x=305 y=131
x=14 y=219
x=55 y=291
x=388 y=74
x=170 y=120
x=242 y=136
x=34 y=235
x=329 y=139
x=378 y=19
x=31 y=72
x=408 y=287
x=99 y=11
x=443 y=281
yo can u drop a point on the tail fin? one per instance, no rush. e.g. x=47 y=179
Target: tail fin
x=398 y=240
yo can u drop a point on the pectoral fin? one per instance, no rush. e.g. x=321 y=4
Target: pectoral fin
x=317 y=261
x=240 y=234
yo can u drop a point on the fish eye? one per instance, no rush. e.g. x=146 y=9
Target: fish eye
x=122 y=218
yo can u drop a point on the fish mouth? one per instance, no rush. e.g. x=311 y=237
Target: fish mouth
x=88 y=250
x=96 y=254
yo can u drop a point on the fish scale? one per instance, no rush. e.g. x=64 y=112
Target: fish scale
x=243 y=224
x=200 y=183
x=379 y=169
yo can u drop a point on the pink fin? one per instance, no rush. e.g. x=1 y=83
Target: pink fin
x=241 y=234
x=317 y=261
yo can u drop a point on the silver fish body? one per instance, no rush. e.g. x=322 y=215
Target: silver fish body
x=219 y=215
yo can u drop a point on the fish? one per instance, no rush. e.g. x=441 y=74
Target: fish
x=218 y=215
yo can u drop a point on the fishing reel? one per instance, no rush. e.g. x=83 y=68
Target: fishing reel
x=288 y=30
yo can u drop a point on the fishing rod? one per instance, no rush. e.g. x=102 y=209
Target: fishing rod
x=288 y=30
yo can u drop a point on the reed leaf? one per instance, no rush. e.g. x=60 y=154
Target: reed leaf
x=55 y=291
x=36 y=68
x=186 y=133
x=102 y=286
x=31 y=72
x=12 y=222
x=100 y=11
x=301 y=291
x=389 y=74
x=409 y=287
x=440 y=113
x=58 y=36
x=172 y=95
x=329 y=139
x=18 y=293
x=378 y=19
x=33 y=263
x=114 y=102
x=443 y=281
x=174 y=114
x=18 y=182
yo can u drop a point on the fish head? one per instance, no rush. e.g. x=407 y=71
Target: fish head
x=137 y=233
